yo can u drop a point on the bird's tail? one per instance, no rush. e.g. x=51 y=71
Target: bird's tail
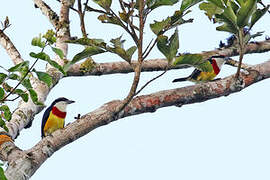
x=180 y=79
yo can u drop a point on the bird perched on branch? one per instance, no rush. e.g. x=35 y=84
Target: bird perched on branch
x=54 y=116
x=202 y=76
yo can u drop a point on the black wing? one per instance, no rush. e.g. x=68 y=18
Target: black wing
x=195 y=74
x=44 y=120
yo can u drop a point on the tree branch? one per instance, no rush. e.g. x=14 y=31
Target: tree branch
x=158 y=64
x=25 y=163
x=47 y=11
x=10 y=48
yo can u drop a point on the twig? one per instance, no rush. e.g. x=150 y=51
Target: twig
x=29 y=70
x=81 y=15
x=147 y=83
x=147 y=53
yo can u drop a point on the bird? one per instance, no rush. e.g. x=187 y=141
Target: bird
x=54 y=116
x=202 y=76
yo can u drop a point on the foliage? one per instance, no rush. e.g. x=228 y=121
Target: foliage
x=20 y=75
x=2 y=175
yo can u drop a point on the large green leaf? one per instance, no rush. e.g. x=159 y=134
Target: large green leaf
x=195 y=60
x=210 y=9
x=186 y=4
x=245 y=12
x=6 y=112
x=43 y=56
x=45 y=77
x=230 y=16
x=257 y=15
x=34 y=96
x=22 y=94
x=168 y=47
x=87 y=52
x=58 y=51
x=88 y=42
x=19 y=66
x=26 y=83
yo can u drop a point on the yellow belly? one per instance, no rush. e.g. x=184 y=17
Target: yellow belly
x=205 y=76
x=53 y=123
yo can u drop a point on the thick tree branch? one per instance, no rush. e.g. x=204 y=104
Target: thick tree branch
x=47 y=11
x=10 y=48
x=86 y=69
x=27 y=162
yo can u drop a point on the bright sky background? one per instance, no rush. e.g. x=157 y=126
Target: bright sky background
x=224 y=138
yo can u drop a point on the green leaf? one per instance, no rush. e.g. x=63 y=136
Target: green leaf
x=2 y=93
x=169 y=47
x=257 y=15
x=19 y=66
x=227 y=28
x=130 y=51
x=59 y=52
x=186 y=4
x=105 y=4
x=160 y=27
x=109 y=19
x=218 y=3
x=22 y=94
x=2 y=174
x=245 y=13
x=50 y=36
x=88 y=42
x=210 y=9
x=43 y=56
x=14 y=76
x=87 y=52
x=33 y=95
x=26 y=83
x=152 y=4
x=157 y=27
x=45 y=77
x=37 y=41
x=2 y=77
x=195 y=60
x=229 y=15
x=7 y=113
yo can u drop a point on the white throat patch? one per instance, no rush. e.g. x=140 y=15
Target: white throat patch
x=62 y=106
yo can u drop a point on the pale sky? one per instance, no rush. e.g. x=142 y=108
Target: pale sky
x=224 y=138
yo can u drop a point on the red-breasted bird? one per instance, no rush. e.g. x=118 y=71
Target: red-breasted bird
x=54 y=116
x=202 y=76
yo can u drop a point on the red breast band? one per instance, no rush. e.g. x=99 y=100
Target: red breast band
x=215 y=67
x=58 y=113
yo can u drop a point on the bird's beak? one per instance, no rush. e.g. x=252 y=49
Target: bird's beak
x=70 y=102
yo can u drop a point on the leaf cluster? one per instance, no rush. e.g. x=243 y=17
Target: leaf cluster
x=233 y=15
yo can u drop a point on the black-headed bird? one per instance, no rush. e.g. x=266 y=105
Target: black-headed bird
x=54 y=116
x=202 y=76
